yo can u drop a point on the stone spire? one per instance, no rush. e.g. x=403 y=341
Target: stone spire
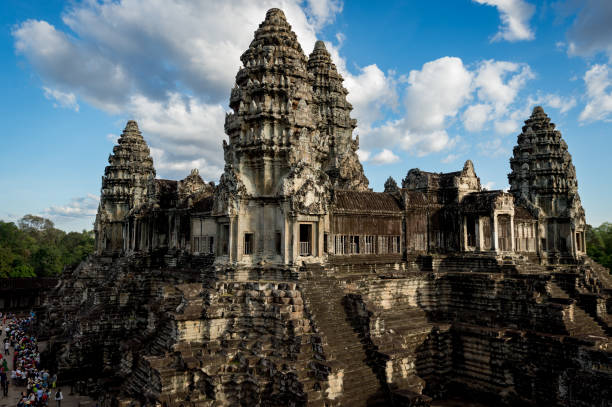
x=542 y=170
x=125 y=185
x=342 y=165
x=271 y=130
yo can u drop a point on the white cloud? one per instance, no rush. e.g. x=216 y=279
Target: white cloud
x=169 y=65
x=598 y=81
x=384 y=157
x=363 y=155
x=515 y=16
x=371 y=91
x=591 y=31
x=450 y=158
x=556 y=101
x=323 y=12
x=499 y=82
x=475 y=116
x=81 y=207
x=433 y=96
x=493 y=148
x=436 y=92
x=445 y=90
x=63 y=99
x=488 y=185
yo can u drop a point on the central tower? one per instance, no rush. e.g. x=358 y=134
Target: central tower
x=274 y=179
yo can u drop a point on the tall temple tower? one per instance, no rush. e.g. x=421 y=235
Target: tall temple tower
x=342 y=165
x=273 y=175
x=544 y=179
x=125 y=185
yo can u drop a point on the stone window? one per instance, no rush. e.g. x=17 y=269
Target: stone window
x=277 y=242
x=353 y=245
x=203 y=244
x=305 y=239
x=225 y=239
x=395 y=244
x=248 y=243
x=504 y=233
x=470 y=224
x=325 y=243
x=383 y=244
x=369 y=244
x=340 y=244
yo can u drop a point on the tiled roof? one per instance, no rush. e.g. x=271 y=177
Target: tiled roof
x=365 y=201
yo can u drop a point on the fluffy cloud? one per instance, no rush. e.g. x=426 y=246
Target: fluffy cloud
x=371 y=91
x=515 y=16
x=556 y=101
x=432 y=96
x=475 y=116
x=323 y=12
x=598 y=81
x=62 y=99
x=81 y=207
x=435 y=93
x=591 y=31
x=445 y=90
x=384 y=157
x=498 y=82
x=169 y=65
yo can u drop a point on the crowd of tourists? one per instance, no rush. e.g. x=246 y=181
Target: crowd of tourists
x=40 y=386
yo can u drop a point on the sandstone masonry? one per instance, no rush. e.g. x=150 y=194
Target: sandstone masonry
x=291 y=283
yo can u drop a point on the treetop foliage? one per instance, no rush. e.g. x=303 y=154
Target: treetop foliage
x=35 y=248
x=599 y=244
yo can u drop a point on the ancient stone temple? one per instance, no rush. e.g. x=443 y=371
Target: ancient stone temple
x=290 y=283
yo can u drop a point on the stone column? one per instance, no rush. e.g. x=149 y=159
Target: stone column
x=479 y=234
x=232 y=243
x=574 y=242
x=512 y=245
x=495 y=232
x=464 y=246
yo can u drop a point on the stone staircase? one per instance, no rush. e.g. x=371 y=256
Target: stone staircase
x=578 y=322
x=352 y=382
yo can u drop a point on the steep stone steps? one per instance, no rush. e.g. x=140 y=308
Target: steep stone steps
x=351 y=380
x=578 y=322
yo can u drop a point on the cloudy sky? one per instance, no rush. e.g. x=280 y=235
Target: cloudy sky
x=432 y=83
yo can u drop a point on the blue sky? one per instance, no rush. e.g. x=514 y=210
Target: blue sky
x=433 y=83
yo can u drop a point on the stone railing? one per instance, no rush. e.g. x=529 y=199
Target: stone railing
x=305 y=249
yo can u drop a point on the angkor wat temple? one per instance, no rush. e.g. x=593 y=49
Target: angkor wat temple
x=291 y=283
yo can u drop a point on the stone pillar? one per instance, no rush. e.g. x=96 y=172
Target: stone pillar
x=285 y=239
x=512 y=245
x=495 y=232
x=464 y=244
x=232 y=242
x=479 y=234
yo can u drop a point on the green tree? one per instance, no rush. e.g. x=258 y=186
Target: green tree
x=46 y=261
x=34 y=247
x=599 y=244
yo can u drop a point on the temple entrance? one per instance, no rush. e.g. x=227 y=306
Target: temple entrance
x=470 y=231
x=504 y=232
x=305 y=239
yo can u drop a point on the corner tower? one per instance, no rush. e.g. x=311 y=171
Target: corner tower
x=342 y=164
x=125 y=185
x=544 y=179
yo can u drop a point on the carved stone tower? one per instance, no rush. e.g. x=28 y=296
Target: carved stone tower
x=125 y=185
x=342 y=165
x=273 y=161
x=544 y=178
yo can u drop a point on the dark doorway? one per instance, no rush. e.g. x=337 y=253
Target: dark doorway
x=305 y=239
